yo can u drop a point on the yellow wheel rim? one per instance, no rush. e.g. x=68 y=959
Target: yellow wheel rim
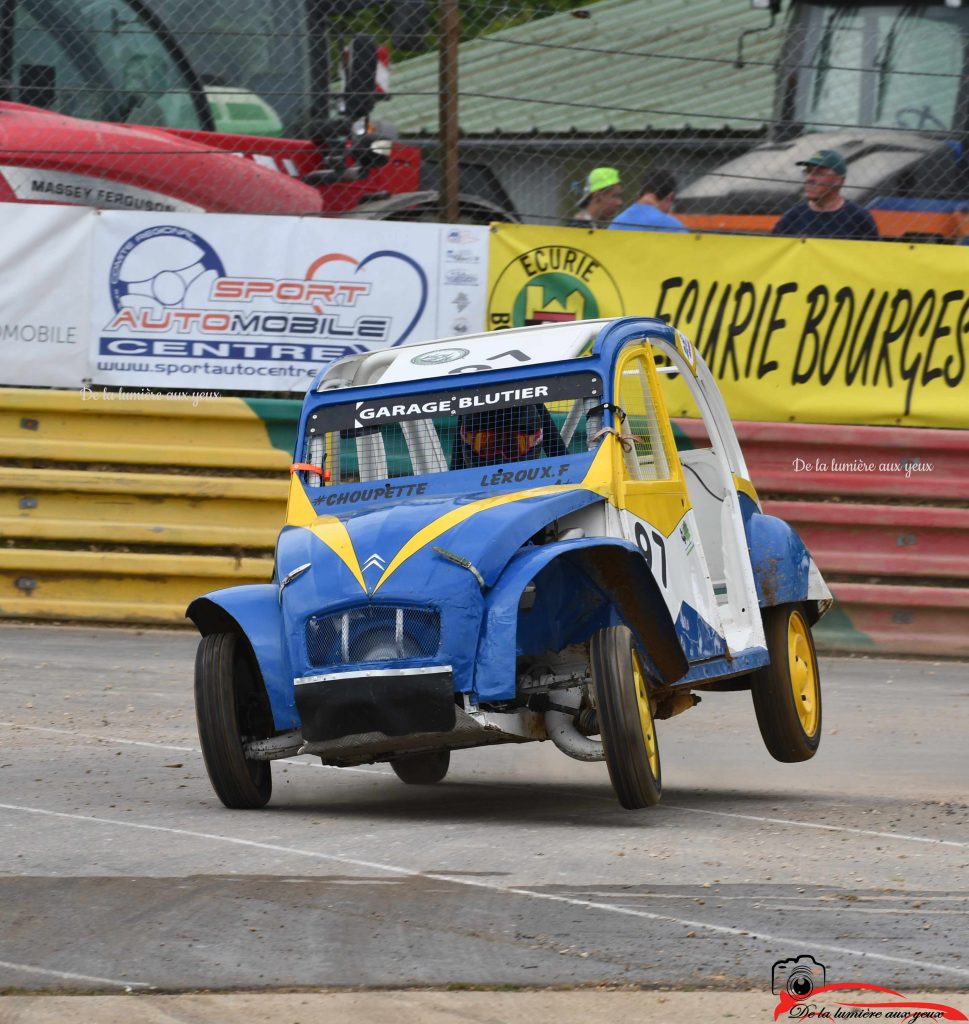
x=646 y=716
x=803 y=672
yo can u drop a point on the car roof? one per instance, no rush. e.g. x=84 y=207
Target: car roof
x=545 y=343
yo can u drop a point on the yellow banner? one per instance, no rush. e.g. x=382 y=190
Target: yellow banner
x=816 y=331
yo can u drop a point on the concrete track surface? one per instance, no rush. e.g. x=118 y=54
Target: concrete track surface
x=120 y=872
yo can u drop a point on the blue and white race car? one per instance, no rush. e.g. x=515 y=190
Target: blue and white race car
x=506 y=538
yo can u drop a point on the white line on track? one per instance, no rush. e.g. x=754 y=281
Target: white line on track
x=784 y=901
x=819 y=825
x=495 y=887
x=70 y=976
x=101 y=739
x=791 y=822
x=109 y=740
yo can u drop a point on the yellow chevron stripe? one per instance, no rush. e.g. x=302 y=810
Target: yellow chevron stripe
x=330 y=530
x=335 y=536
x=299 y=509
x=598 y=479
x=601 y=478
x=458 y=515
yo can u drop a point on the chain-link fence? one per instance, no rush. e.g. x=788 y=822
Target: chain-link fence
x=724 y=96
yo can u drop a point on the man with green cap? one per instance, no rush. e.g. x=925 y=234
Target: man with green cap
x=825 y=213
x=601 y=199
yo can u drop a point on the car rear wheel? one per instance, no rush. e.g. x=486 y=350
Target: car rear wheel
x=787 y=692
x=231 y=707
x=422 y=769
x=626 y=718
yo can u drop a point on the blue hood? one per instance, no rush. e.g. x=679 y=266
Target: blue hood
x=387 y=556
x=392 y=560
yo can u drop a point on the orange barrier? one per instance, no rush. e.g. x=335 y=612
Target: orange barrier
x=881 y=540
x=881 y=618
x=913 y=463
x=897 y=565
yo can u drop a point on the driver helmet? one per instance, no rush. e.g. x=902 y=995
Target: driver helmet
x=502 y=435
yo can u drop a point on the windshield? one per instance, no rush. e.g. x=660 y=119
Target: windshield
x=497 y=425
x=108 y=60
x=879 y=65
x=254 y=49
x=98 y=60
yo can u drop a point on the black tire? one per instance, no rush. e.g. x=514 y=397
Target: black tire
x=626 y=718
x=787 y=692
x=230 y=706
x=422 y=769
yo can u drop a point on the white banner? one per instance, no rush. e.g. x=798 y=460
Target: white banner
x=233 y=302
x=45 y=308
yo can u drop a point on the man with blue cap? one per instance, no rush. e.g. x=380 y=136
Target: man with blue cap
x=601 y=199
x=825 y=213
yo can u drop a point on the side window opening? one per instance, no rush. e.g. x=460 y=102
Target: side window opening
x=702 y=470
x=642 y=439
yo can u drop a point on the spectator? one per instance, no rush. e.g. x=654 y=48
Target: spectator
x=651 y=211
x=825 y=213
x=601 y=199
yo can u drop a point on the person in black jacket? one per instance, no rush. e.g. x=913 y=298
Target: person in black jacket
x=825 y=213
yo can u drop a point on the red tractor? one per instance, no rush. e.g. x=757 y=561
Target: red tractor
x=102 y=105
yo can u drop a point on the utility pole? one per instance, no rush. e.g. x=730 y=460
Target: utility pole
x=448 y=91
x=318 y=17
x=8 y=18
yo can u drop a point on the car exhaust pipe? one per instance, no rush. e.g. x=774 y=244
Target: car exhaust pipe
x=562 y=725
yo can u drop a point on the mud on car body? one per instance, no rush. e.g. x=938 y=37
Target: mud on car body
x=499 y=539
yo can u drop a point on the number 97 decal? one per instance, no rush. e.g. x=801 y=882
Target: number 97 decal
x=643 y=543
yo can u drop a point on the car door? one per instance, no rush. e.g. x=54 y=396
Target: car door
x=656 y=513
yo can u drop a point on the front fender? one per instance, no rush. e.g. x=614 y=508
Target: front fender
x=253 y=610
x=779 y=559
x=610 y=572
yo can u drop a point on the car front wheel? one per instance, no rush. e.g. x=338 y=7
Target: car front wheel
x=787 y=692
x=626 y=718
x=231 y=707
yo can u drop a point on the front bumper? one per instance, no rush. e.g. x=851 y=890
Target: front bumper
x=395 y=702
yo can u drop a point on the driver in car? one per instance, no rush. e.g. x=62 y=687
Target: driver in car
x=499 y=436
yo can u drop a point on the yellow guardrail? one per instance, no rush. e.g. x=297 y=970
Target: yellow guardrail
x=140 y=508
x=108 y=512
x=65 y=426
x=115 y=586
